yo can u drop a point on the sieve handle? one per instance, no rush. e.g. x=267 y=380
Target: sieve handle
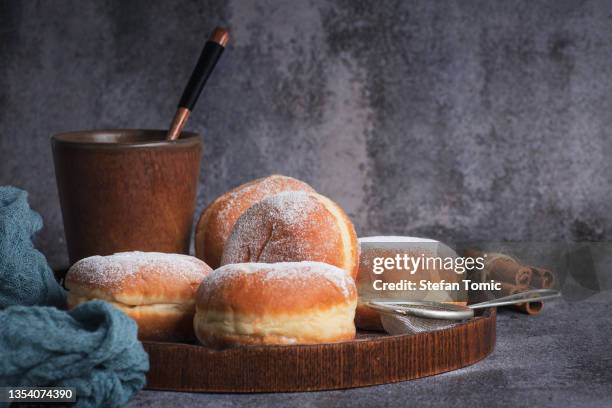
x=425 y=310
x=522 y=297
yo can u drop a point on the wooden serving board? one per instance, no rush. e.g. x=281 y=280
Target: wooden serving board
x=372 y=358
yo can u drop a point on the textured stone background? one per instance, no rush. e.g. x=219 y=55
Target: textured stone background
x=454 y=120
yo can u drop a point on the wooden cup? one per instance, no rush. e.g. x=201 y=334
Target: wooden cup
x=126 y=190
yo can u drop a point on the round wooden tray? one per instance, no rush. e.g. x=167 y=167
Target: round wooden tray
x=372 y=358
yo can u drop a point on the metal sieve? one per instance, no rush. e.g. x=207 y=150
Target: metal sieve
x=421 y=316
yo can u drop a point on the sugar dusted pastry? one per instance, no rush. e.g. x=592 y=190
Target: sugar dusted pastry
x=292 y=227
x=281 y=303
x=157 y=290
x=217 y=220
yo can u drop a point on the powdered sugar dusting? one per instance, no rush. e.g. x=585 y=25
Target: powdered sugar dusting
x=282 y=228
x=256 y=191
x=302 y=271
x=112 y=270
x=292 y=206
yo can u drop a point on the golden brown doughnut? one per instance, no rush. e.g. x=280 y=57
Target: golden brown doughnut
x=217 y=220
x=281 y=303
x=157 y=290
x=291 y=227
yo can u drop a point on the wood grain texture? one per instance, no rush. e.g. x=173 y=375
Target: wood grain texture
x=370 y=359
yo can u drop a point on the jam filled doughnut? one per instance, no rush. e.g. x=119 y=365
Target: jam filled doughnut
x=217 y=220
x=281 y=303
x=156 y=290
x=292 y=227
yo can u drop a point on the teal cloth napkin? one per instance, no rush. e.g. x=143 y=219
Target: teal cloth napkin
x=25 y=276
x=93 y=348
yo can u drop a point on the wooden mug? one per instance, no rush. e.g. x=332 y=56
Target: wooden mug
x=126 y=190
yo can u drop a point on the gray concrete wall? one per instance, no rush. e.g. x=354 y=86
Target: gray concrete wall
x=454 y=120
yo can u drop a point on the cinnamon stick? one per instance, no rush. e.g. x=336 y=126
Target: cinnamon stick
x=543 y=278
x=515 y=277
x=530 y=308
x=507 y=270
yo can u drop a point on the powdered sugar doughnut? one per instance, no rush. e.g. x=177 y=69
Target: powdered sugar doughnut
x=217 y=220
x=281 y=303
x=292 y=227
x=156 y=289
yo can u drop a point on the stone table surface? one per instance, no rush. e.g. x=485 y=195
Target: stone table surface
x=562 y=357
